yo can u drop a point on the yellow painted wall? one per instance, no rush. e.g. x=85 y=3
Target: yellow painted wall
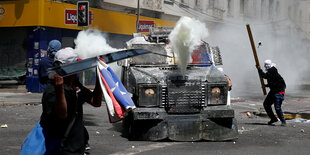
x=52 y=14
x=19 y=13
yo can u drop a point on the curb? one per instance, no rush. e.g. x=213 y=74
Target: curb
x=18 y=103
x=287 y=115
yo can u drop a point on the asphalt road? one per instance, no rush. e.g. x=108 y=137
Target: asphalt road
x=254 y=136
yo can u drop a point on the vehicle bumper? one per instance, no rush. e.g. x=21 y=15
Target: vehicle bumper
x=211 y=124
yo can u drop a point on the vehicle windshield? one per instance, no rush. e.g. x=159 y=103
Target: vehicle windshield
x=162 y=51
x=162 y=54
x=201 y=55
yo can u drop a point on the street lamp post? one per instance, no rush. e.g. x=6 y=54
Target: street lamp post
x=138 y=16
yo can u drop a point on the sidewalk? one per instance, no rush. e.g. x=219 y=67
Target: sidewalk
x=18 y=95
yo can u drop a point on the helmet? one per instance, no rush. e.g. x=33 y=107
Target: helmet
x=53 y=46
x=66 y=56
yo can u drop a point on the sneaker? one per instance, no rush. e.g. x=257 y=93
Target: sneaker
x=272 y=121
x=87 y=148
x=283 y=123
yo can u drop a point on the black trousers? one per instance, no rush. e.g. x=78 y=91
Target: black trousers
x=276 y=99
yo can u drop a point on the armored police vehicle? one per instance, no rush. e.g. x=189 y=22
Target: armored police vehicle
x=174 y=106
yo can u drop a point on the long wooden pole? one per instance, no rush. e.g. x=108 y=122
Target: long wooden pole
x=256 y=57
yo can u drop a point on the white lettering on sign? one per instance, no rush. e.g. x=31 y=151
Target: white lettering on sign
x=71 y=17
x=145 y=25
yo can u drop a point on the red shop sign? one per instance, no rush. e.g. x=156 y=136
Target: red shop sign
x=71 y=17
x=145 y=25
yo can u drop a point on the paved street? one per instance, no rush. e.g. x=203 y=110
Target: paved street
x=255 y=137
x=175 y=57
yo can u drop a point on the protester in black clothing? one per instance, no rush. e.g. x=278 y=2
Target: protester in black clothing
x=276 y=94
x=47 y=62
x=62 y=117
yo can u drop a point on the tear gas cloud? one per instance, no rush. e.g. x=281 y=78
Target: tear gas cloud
x=282 y=46
x=91 y=43
x=187 y=34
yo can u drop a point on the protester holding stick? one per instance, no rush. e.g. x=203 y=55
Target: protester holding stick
x=276 y=94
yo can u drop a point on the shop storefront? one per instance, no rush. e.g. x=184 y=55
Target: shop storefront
x=27 y=26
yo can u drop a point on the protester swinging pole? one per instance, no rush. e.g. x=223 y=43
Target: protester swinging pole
x=256 y=58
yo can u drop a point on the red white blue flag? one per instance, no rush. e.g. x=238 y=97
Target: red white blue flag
x=117 y=98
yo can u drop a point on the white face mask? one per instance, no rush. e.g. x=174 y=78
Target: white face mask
x=267 y=66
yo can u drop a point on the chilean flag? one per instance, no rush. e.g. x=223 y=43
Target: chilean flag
x=116 y=96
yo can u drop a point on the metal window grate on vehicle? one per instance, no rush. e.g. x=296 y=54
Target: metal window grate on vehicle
x=184 y=96
x=164 y=95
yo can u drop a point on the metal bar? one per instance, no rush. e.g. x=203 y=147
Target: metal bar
x=256 y=58
x=85 y=64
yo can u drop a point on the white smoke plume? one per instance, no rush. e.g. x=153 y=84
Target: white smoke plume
x=187 y=34
x=283 y=47
x=91 y=43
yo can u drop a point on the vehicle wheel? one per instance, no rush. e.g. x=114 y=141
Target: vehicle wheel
x=132 y=131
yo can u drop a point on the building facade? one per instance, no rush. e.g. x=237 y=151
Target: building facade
x=26 y=27
x=217 y=11
x=299 y=13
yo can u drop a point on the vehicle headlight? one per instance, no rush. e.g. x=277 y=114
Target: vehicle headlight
x=149 y=95
x=216 y=91
x=149 y=92
x=217 y=94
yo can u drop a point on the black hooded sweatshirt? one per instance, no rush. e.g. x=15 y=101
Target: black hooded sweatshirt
x=274 y=80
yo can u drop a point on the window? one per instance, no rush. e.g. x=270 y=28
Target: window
x=211 y=3
x=184 y=3
x=198 y=4
x=170 y=2
x=241 y=6
x=290 y=12
x=230 y=7
x=300 y=16
x=278 y=9
x=262 y=8
x=271 y=5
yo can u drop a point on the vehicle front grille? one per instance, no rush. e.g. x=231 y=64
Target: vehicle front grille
x=183 y=97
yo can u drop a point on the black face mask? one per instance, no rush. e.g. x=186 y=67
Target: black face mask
x=51 y=55
x=57 y=64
